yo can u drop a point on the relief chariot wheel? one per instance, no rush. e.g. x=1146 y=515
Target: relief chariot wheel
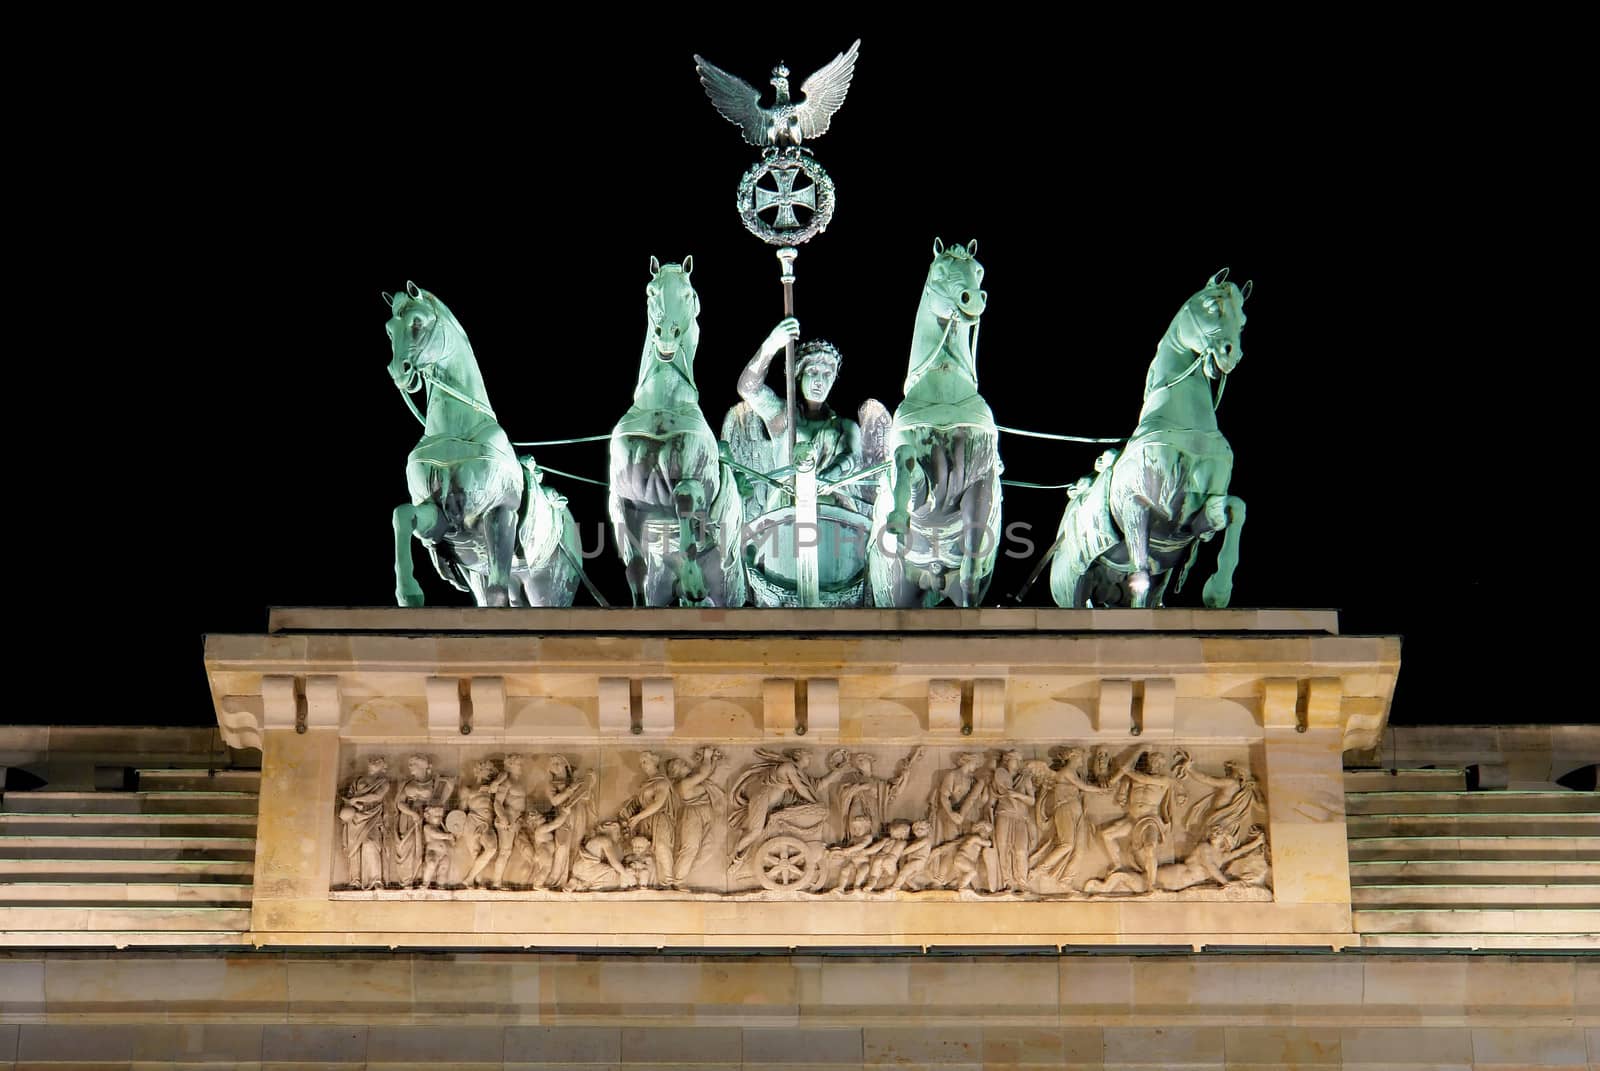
x=784 y=864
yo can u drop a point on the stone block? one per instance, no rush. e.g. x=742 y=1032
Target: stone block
x=1391 y=1047
x=695 y=1046
x=616 y=706
x=941 y=1046
x=350 y=985
x=469 y=985
x=1563 y=1047
x=1114 y=708
x=1164 y=1047
x=66 y=1043
x=310 y=1043
x=822 y=707
x=1499 y=984
x=1281 y=1046
x=488 y=708
x=187 y=985
x=944 y=707
x=323 y=705
x=216 y=1044
x=435 y=1044
x=777 y=706
x=1413 y=990
x=563 y=1046
x=658 y=710
x=444 y=707
x=793 y=1045
x=22 y=988
x=1158 y=710
x=988 y=706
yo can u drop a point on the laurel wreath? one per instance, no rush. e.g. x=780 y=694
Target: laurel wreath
x=820 y=217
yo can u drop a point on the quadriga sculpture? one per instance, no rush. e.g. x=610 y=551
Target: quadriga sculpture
x=1122 y=536
x=490 y=525
x=941 y=499
x=674 y=505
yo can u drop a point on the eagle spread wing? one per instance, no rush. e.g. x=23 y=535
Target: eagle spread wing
x=823 y=92
x=740 y=103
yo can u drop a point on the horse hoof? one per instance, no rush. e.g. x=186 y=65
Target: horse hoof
x=411 y=597
x=1216 y=594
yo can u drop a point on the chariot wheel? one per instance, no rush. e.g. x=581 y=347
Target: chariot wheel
x=784 y=863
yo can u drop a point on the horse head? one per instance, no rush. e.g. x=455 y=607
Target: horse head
x=420 y=330
x=1209 y=325
x=673 y=308
x=955 y=281
x=953 y=300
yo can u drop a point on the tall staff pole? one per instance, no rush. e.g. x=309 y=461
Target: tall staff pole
x=786 y=258
x=778 y=130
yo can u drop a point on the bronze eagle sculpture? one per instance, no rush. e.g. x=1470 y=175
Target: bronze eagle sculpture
x=787 y=122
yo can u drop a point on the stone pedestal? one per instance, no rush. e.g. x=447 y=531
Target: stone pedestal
x=835 y=732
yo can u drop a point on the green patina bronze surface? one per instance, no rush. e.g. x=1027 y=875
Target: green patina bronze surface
x=1127 y=530
x=674 y=504
x=490 y=525
x=840 y=452
x=936 y=521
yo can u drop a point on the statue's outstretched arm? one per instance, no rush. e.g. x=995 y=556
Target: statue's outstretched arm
x=753 y=380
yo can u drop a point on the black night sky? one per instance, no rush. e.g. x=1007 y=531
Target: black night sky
x=252 y=450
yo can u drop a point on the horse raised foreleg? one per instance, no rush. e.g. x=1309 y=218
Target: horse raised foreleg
x=425 y=522
x=690 y=498
x=500 y=541
x=1227 y=512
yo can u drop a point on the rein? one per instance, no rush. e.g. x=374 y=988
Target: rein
x=1185 y=374
x=433 y=382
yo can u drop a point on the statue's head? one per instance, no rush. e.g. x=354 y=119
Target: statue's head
x=900 y=829
x=860 y=825
x=514 y=764
x=1219 y=838
x=969 y=760
x=421 y=767
x=1210 y=323
x=983 y=829
x=485 y=770
x=1156 y=762
x=678 y=769
x=649 y=763
x=816 y=368
x=921 y=827
x=433 y=813
x=559 y=768
x=421 y=333
x=862 y=762
x=377 y=764
x=1011 y=759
